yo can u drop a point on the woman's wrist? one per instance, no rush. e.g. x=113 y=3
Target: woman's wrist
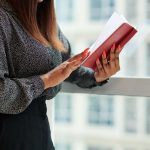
x=102 y=82
x=45 y=80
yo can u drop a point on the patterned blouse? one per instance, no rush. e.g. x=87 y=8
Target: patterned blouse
x=22 y=61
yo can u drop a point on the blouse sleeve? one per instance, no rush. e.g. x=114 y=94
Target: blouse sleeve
x=83 y=76
x=15 y=93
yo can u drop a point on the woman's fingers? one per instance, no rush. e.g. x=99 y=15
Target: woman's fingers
x=106 y=68
x=117 y=52
x=100 y=73
x=75 y=62
x=104 y=60
x=112 y=57
x=99 y=66
x=105 y=63
x=73 y=65
x=76 y=57
x=85 y=53
x=81 y=56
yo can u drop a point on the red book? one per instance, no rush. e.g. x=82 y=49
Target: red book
x=118 y=31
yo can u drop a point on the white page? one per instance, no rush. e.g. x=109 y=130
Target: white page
x=112 y=25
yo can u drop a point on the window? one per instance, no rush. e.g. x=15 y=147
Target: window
x=98 y=148
x=131 y=68
x=100 y=111
x=148 y=60
x=63 y=108
x=130 y=115
x=101 y=9
x=148 y=116
x=131 y=9
x=130 y=148
x=95 y=10
x=63 y=146
x=148 y=10
x=64 y=9
x=113 y=117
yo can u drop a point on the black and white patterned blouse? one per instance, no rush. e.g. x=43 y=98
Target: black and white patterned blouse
x=22 y=61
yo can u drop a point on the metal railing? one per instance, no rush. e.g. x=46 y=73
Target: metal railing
x=125 y=86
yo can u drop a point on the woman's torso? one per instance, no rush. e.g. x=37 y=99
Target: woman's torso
x=26 y=57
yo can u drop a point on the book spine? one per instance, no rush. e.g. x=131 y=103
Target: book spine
x=127 y=37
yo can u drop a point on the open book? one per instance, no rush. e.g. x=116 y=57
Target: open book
x=118 y=31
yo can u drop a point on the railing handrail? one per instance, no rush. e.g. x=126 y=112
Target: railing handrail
x=124 y=86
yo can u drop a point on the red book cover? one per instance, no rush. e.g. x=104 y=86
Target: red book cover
x=118 y=31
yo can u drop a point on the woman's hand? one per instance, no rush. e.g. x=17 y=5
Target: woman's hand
x=105 y=68
x=63 y=71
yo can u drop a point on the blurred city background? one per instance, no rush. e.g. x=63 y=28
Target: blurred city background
x=97 y=122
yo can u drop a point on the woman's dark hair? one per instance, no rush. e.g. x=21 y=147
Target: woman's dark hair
x=39 y=20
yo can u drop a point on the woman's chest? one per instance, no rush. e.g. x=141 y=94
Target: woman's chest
x=28 y=57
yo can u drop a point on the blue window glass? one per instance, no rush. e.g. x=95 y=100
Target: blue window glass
x=64 y=10
x=101 y=111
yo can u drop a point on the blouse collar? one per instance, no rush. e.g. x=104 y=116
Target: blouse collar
x=7 y=6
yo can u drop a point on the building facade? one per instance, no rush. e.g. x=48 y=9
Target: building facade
x=91 y=122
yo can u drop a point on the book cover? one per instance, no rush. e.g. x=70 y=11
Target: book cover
x=117 y=30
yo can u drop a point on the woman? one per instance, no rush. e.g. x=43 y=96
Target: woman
x=34 y=61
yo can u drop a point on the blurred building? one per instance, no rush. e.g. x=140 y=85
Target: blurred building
x=90 y=122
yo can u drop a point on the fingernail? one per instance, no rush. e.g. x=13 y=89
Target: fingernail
x=84 y=54
x=119 y=48
x=79 y=65
x=104 y=54
x=88 y=53
x=86 y=50
x=97 y=60
x=114 y=45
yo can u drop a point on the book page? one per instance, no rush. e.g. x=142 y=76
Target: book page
x=112 y=25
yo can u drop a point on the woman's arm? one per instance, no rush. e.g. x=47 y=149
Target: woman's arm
x=16 y=93
x=83 y=77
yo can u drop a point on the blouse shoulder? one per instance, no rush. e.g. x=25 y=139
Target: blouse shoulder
x=3 y=15
x=4 y=20
x=65 y=55
x=6 y=25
